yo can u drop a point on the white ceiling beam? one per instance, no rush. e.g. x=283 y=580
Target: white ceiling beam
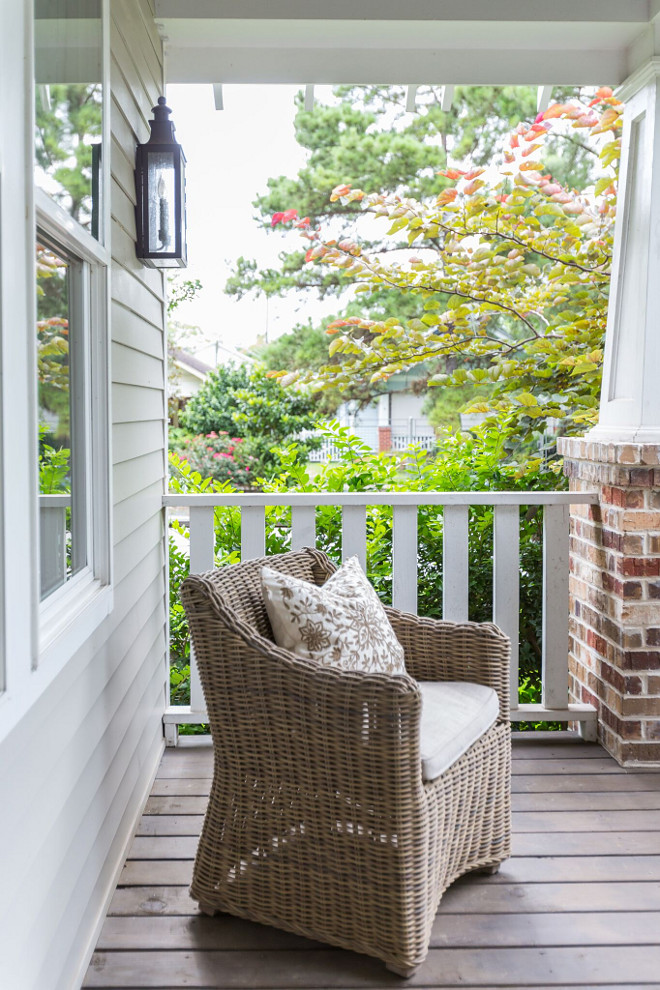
x=411 y=99
x=309 y=96
x=543 y=98
x=447 y=97
x=535 y=11
x=218 y=98
x=333 y=66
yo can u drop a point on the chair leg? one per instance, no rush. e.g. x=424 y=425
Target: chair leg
x=401 y=970
x=207 y=909
x=487 y=870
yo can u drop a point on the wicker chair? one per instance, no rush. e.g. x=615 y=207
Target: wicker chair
x=318 y=820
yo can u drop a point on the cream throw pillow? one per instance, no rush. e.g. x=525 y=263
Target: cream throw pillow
x=342 y=623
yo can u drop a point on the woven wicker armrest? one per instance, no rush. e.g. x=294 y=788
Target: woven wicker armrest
x=296 y=716
x=436 y=650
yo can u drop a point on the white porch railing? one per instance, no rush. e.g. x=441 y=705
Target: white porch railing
x=52 y=540
x=455 y=508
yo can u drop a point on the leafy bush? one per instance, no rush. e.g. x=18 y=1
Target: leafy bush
x=220 y=457
x=248 y=404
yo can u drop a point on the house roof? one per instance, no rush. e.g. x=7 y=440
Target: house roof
x=188 y=361
x=380 y=41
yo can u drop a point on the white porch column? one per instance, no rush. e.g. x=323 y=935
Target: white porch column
x=630 y=397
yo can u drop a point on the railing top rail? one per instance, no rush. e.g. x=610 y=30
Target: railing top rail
x=60 y=500
x=381 y=498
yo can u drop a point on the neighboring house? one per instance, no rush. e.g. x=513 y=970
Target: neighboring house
x=393 y=420
x=189 y=372
x=84 y=658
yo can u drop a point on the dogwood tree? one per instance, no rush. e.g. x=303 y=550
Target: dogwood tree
x=510 y=277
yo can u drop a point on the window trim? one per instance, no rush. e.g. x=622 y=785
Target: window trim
x=70 y=614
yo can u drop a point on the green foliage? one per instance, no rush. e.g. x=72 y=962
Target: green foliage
x=250 y=405
x=54 y=465
x=63 y=146
x=511 y=279
x=464 y=463
x=220 y=457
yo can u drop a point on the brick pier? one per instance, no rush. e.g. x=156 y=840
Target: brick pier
x=614 y=641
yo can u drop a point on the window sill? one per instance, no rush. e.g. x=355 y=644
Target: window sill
x=69 y=617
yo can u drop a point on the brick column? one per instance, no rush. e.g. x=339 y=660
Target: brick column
x=614 y=641
x=384 y=439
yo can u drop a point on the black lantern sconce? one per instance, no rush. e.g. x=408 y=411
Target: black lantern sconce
x=160 y=188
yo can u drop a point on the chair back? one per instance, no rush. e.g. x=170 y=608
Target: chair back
x=238 y=586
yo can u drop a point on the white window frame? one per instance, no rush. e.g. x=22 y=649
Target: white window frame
x=69 y=615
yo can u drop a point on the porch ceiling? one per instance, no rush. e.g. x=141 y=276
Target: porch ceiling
x=380 y=41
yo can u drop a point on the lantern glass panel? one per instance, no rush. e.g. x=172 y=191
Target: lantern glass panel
x=68 y=62
x=162 y=204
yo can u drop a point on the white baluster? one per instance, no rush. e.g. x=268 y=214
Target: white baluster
x=455 y=563
x=506 y=583
x=202 y=548
x=52 y=541
x=253 y=532
x=354 y=533
x=555 y=606
x=303 y=526
x=404 y=558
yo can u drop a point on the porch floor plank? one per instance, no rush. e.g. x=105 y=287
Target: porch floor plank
x=577 y=905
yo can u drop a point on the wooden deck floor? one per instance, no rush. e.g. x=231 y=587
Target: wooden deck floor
x=578 y=905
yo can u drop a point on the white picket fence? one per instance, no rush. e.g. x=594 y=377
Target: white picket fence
x=455 y=508
x=328 y=451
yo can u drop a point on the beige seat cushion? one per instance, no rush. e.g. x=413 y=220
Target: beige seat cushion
x=454 y=715
x=342 y=623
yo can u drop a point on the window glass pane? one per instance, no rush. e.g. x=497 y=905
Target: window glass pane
x=68 y=71
x=60 y=390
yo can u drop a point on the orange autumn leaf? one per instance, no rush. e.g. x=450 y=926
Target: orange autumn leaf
x=451 y=173
x=447 y=196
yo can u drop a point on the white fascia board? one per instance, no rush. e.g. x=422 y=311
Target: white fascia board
x=515 y=11
x=403 y=67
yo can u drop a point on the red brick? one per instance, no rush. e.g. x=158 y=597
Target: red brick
x=641 y=660
x=642 y=477
x=632 y=589
x=653 y=589
x=632 y=544
x=652 y=729
x=596 y=642
x=653 y=685
x=642 y=706
x=631 y=753
x=611 y=539
x=613 y=676
x=633 y=685
x=588 y=698
x=653 y=637
x=639 y=566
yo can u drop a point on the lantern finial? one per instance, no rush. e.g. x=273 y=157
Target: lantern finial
x=162 y=128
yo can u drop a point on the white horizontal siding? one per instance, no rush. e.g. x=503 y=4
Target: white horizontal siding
x=75 y=769
x=133 y=439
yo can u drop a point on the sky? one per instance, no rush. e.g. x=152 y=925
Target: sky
x=230 y=155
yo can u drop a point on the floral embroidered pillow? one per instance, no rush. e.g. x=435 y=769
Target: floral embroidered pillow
x=341 y=623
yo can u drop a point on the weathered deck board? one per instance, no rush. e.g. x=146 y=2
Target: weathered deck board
x=326 y=968
x=577 y=906
x=520 y=869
